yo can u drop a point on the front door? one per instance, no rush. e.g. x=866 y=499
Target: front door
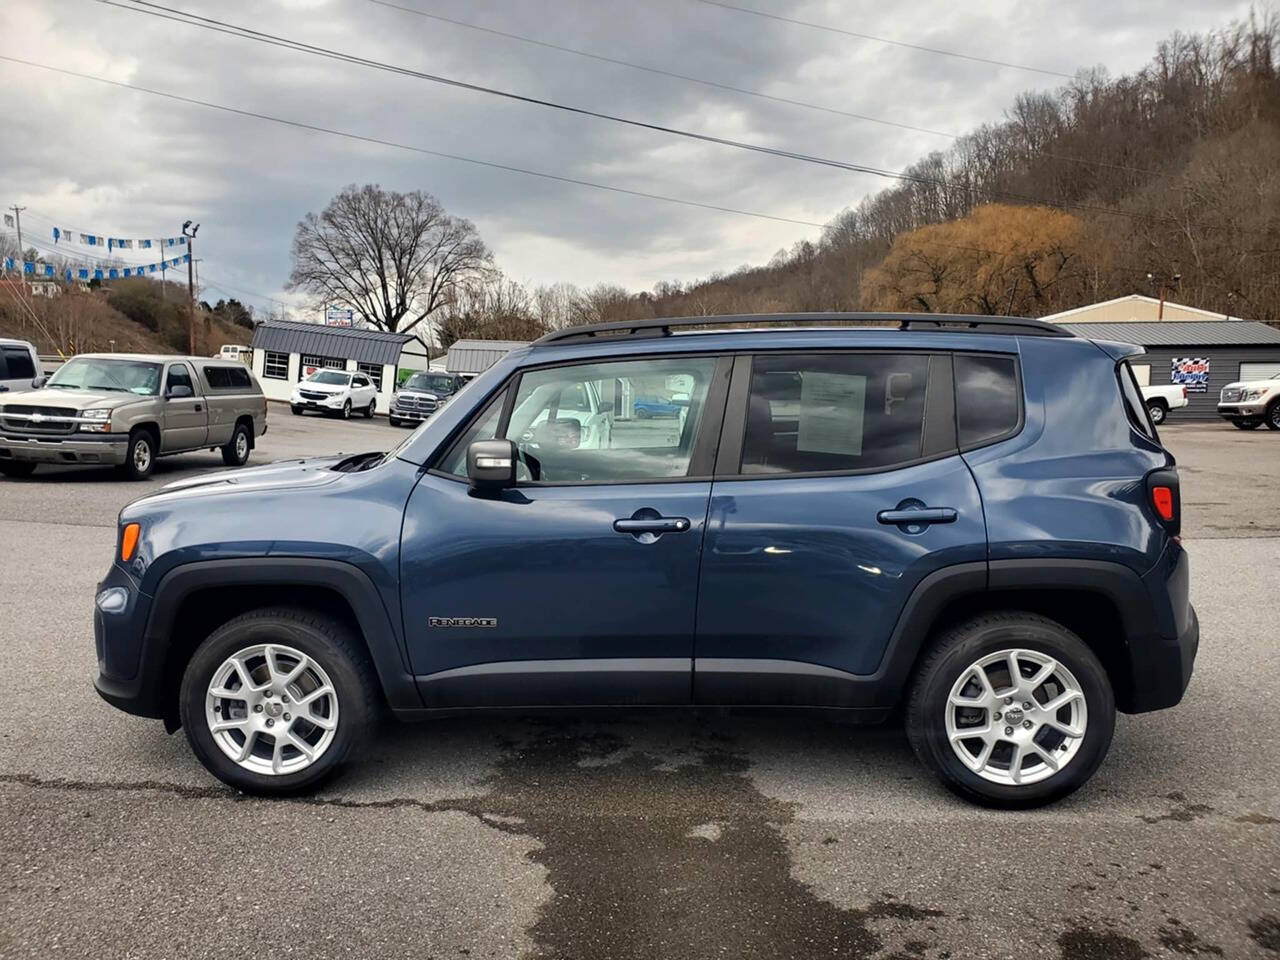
x=580 y=584
x=186 y=421
x=844 y=491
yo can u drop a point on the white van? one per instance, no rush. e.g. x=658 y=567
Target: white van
x=235 y=351
x=19 y=366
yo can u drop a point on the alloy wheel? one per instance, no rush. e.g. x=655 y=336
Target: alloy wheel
x=271 y=709
x=242 y=446
x=142 y=455
x=1016 y=717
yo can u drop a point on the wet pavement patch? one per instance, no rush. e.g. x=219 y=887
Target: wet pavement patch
x=1265 y=932
x=637 y=871
x=1081 y=943
x=1182 y=812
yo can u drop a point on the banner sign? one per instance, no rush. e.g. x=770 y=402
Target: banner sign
x=117 y=243
x=95 y=273
x=1191 y=372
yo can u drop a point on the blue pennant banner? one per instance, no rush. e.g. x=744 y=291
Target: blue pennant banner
x=31 y=269
x=117 y=243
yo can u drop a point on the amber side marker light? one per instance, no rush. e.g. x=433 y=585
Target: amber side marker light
x=129 y=541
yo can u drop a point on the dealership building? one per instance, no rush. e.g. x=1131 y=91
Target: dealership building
x=1200 y=350
x=286 y=352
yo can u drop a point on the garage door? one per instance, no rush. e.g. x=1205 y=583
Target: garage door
x=1259 y=371
x=1142 y=372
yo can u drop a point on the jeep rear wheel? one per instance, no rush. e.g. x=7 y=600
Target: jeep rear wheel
x=1011 y=710
x=275 y=700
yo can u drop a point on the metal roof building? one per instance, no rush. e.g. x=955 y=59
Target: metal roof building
x=471 y=357
x=286 y=352
x=1203 y=355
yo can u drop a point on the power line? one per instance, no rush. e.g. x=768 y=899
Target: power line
x=246 y=33
x=404 y=146
x=730 y=87
x=660 y=72
x=894 y=43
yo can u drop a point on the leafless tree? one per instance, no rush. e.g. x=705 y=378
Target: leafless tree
x=395 y=258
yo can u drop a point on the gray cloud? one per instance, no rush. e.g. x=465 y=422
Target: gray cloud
x=128 y=164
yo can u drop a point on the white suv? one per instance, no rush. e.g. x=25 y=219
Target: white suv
x=335 y=392
x=1250 y=403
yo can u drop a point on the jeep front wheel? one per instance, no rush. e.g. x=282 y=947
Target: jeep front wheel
x=1011 y=710
x=275 y=700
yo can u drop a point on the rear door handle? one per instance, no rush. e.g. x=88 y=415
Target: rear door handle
x=656 y=525
x=922 y=515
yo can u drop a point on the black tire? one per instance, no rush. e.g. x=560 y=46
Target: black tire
x=345 y=414
x=952 y=654
x=642 y=414
x=236 y=452
x=1272 y=416
x=297 y=411
x=138 y=466
x=1246 y=424
x=368 y=411
x=17 y=469
x=1158 y=412
x=394 y=421
x=334 y=647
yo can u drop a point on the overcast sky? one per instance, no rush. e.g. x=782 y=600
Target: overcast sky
x=107 y=160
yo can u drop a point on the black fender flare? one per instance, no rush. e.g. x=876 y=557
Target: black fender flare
x=385 y=645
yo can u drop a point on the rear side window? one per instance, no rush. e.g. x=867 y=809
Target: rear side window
x=18 y=362
x=988 y=398
x=217 y=378
x=238 y=377
x=1133 y=405
x=819 y=413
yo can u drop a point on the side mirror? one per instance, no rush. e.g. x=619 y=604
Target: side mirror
x=491 y=464
x=39 y=382
x=179 y=391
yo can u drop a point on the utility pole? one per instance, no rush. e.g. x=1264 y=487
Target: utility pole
x=17 y=221
x=1173 y=281
x=189 y=232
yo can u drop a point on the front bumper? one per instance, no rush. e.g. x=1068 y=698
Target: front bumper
x=73 y=448
x=120 y=639
x=1249 y=410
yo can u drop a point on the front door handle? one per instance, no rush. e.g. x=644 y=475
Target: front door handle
x=919 y=516
x=654 y=525
x=198 y=408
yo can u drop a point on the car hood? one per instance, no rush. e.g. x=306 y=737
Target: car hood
x=299 y=474
x=72 y=399
x=329 y=388
x=418 y=394
x=1253 y=385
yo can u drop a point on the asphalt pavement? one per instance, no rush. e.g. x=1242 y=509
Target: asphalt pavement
x=670 y=836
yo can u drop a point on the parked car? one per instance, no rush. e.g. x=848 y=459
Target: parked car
x=654 y=406
x=1248 y=404
x=236 y=351
x=335 y=392
x=971 y=518
x=129 y=409
x=1160 y=400
x=19 y=366
x=422 y=395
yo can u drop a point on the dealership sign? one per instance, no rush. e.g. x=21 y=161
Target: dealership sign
x=1191 y=372
x=339 y=317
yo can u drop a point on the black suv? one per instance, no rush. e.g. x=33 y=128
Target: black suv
x=969 y=517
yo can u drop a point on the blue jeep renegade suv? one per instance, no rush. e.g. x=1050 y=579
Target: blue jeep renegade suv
x=970 y=518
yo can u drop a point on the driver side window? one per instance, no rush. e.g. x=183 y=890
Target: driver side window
x=612 y=422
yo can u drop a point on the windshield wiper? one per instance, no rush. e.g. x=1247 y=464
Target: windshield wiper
x=109 y=389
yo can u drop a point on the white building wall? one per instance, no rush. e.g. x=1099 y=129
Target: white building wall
x=282 y=390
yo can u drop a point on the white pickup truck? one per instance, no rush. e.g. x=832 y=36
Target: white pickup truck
x=1160 y=400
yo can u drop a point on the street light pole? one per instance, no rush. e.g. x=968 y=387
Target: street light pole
x=189 y=232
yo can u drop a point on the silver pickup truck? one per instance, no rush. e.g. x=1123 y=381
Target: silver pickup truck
x=129 y=409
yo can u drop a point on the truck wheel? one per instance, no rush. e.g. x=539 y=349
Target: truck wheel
x=1273 y=415
x=1246 y=424
x=1011 y=710
x=275 y=700
x=1158 y=412
x=17 y=468
x=236 y=453
x=140 y=454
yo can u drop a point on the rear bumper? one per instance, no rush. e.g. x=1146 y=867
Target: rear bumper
x=78 y=448
x=1162 y=657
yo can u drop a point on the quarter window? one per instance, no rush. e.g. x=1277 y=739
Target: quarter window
x=484 y=427
x=582 y=423
x=1133 y=403
x=987 y=398
x=275 y=366
x=818 y=413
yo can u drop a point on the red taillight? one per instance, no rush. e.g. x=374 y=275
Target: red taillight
x=1162 y=498
x=1184 y=393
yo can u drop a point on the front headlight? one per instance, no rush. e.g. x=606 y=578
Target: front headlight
x=1253 y=394
x=102 y=418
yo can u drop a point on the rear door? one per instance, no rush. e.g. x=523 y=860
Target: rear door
x=838 y=488
x=580 y=584
x=186 y=419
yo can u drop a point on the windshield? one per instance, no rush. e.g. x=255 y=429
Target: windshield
x=432 y=382
x=332 y=377
x=98 y=373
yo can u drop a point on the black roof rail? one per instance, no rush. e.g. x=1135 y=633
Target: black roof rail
x=663 y=326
